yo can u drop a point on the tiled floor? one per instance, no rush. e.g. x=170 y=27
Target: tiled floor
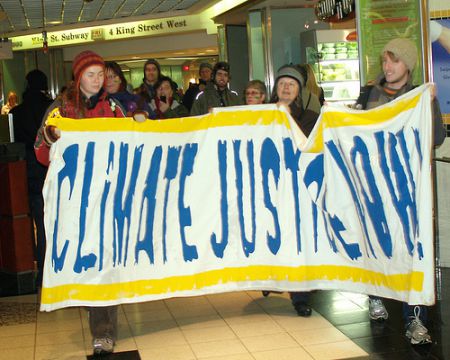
x=232 y=326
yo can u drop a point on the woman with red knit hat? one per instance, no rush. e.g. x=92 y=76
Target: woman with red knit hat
x=85 y=98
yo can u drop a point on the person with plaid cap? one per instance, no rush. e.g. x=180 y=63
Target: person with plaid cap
x=399 y=58
x=85 y=98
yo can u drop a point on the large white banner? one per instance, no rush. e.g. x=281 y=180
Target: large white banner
x=228 y=201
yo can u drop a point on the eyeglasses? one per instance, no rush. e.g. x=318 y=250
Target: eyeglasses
x=252 y=93
x=112 y=76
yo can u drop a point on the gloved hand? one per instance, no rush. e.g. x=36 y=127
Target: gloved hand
x=140 y=115
x=51 y=134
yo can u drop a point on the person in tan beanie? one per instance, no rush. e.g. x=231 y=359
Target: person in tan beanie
x=399 y=58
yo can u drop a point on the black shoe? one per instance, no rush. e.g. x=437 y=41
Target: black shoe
x=303 y=309
x=265 y=293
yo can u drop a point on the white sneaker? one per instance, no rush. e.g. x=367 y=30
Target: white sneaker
x=416 y=331
x=377 y=311
x=103 y=345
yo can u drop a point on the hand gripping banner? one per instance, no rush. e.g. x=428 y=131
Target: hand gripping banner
x=239 y=199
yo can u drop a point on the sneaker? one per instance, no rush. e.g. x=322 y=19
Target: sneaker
x=103 y=345
x=303 y=309
x=416 y=331
x=377 y=311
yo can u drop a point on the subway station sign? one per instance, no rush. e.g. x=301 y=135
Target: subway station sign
x=162 y=26
x=116 y=32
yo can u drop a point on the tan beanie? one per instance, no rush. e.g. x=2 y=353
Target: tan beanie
x=403 y=49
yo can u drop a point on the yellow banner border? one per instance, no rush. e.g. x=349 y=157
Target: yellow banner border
x=176 y=125
x=127 y=290
x=335 y=119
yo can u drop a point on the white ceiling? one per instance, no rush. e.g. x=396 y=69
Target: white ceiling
x=18 y=17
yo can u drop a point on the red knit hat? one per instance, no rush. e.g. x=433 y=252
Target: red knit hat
x=82 y=61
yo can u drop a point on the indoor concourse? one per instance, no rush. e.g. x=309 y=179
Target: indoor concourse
x=256 y=38
x=230 y=326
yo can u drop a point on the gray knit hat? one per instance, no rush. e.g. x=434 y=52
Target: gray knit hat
x=292 y=72
x=403 y=49
x=205 y=65
x=153 y=62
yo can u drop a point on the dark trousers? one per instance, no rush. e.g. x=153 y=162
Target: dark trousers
x=299 y=297
x=37 y=214
x=35 y=177
x=103 y=321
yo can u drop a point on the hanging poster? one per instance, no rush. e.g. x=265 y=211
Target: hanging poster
x=381 y=21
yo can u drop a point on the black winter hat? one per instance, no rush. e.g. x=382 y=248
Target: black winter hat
x=221 y=65
x=36 y=80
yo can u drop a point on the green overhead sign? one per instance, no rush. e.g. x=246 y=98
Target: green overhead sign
x=114 y=32
x=162 y=26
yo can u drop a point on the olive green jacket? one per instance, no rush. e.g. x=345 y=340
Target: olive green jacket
x=210 y=98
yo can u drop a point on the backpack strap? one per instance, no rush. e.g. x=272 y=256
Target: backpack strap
x=116 y=107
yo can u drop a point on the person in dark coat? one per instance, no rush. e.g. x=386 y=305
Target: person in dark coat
x=27 y=118
x=152 y=73
x=290 y=91
x=167 y=104
x=116 y=87
x=205 y=71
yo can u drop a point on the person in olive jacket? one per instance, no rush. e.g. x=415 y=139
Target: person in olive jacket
x=216 y=93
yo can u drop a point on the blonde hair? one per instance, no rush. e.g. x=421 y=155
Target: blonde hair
x=12 y=98
x=258 y=85
x=311 y=82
